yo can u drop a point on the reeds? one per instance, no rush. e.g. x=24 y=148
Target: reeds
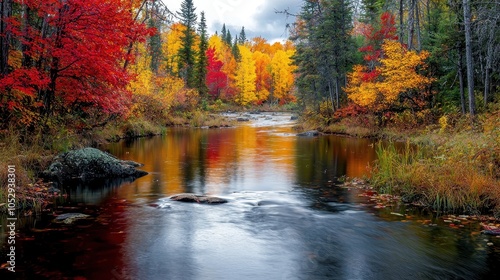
x=447 y=177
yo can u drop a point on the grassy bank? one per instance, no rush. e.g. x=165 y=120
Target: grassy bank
x=451 y=166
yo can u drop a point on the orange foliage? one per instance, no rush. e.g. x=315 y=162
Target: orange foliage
x=397 y=74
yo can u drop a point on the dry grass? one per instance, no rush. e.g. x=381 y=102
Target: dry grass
x=457 y=172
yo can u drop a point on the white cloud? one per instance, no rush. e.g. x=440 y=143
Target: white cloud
x=258 y=16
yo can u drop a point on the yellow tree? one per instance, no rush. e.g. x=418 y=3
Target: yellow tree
x=282 y=75
x=397 y=74
x=245 y=77
x=263 y=75
x=171 y=46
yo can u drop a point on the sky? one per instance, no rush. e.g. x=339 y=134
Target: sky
x=258 y=16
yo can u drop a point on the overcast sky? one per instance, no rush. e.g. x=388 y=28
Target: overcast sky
x=258 y=16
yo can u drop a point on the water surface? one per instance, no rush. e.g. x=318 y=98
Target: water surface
x=286 y=217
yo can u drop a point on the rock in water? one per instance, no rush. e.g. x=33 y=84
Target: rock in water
x=70 y=218
x=191 y=197
x=88 y=164
x=311 y=133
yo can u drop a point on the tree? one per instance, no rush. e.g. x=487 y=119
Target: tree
x=282 y=75
x=186 y=53
x=201 y=65
x=172 y=45
x=468 y=56
x=324 y=50
x=69 y=63
x=242 y=39
x=245 y=78
x=263 y=80
x=216 y=79
x=393 y=81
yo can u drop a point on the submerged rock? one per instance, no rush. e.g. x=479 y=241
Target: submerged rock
x=70 y=218
x=88 y=164
x=311 y=133
x=243 y=119
x=191 y=197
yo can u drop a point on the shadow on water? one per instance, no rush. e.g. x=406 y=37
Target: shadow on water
x=286 y=217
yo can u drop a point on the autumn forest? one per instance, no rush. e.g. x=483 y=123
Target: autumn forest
x=79 y=72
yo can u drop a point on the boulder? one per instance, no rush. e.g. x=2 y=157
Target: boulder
x=89 y=164
x=70 y=218
x=243 y=119
x=311 y=133
x=191 y=197
x=294 y=118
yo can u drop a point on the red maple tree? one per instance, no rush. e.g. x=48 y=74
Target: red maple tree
x=73 y=53
x=216 y=79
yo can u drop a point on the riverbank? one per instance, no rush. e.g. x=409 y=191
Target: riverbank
x=452 y=166
x=31 y=152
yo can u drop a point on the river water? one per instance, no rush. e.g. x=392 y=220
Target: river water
x=286 y=218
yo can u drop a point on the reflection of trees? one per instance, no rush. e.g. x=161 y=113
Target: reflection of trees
x=324 y=159
x=95 y=191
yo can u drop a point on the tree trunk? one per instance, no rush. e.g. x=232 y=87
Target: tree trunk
x=417 y=24
x=401 y=17
x=468 y=57
x=489 y=58
x=411 y=23
x=5 y=12
x=461 y=83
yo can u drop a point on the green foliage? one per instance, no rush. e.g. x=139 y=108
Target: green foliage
x=187 y=54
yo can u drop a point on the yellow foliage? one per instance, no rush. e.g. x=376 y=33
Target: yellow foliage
x=15 y=58
x=282 y=73
x=245 y=77
x=171 y=46
x=397 y=74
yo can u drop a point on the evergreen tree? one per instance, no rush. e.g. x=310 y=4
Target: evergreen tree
x=235 y=50
x=371 y=10
x=228 y=39
x=324 y=51
x=223 y=32
x=154 y=41
x=201 y=65
x=186 y=53
x=243 y=37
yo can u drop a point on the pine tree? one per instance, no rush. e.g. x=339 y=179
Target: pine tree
x=228 y=38
x=235 y=50
x=154 y=41
x=201 y=65
x=223 y=32
x=243 y=37
x=324 y=51
x=186 y=53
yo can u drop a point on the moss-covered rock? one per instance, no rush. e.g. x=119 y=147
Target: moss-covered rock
x=89 y=164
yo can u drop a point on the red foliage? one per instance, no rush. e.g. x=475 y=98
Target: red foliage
x=352 y=109
x=370 y=76
x=216 y=79
x=80 y=61
x=375 y=38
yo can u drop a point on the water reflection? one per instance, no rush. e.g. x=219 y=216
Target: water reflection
x=285 y=218
x=248 y=157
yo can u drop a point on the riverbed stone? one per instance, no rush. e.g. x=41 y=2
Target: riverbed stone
x=204 y=199
x=70 y=218
x=88 y=164
x=311 y=133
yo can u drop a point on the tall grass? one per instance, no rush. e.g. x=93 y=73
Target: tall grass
x=447 y=177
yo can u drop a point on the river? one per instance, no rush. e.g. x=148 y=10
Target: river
x=286 y=218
